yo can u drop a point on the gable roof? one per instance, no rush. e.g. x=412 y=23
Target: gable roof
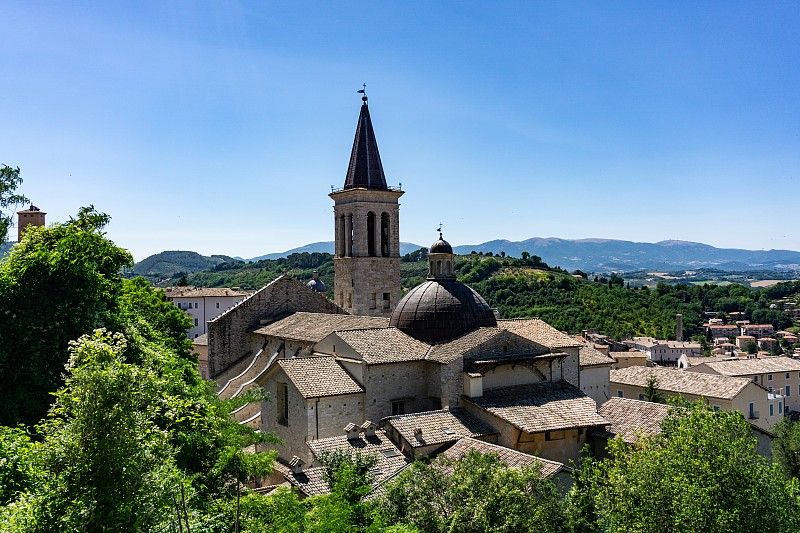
x=433 y=423
x=319 y=376
x=539 y=332
x=628 y=418
x=512 y=458
x=589 y=356
x=313 y=327
x=539 y=407
x=743 y=367
x=384 y=345
x=681 y=381
x=448 y=351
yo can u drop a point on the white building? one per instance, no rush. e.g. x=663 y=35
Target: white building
x=665 y=352
x=202 y=305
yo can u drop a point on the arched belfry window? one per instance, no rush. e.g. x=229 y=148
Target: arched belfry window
x=438 y=267
x=447 y=268
x=385 y=235
x=430 y=265
x=371 y=250
x=340 y=251
x=348 y=232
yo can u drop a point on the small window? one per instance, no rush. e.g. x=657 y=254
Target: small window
x=787 y=375
x=283 y=404
x=769 y=377
x=391 y=452
x=217 y=305
x=387 y=297
x=620 y=394
x=755 y=379
x=752 y=408
x=398 y=408
x=195 y=305
x=554 y=435
x=195 y=321
x=771 y=409
x=641 y=396
x=448 y=431
x=780 y=407
x=788 y=390
x=715 y=407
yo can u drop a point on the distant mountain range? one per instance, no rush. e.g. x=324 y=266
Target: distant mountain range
x=607 y=255
x=589 y=255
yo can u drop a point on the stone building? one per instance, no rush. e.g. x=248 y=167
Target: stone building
x=33 y=216
x=431 y=368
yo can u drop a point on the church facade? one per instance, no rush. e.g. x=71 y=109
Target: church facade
x=428 y=369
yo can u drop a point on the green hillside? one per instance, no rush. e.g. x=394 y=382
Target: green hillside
x=525 y=287
x=167 y=264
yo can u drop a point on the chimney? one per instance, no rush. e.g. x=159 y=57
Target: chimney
x=368 y=428
x=352 y=431
x=297 y=465
x=418 y=433
x=315 y=275
x=679 y=327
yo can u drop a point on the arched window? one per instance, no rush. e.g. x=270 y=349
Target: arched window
x=431 y=267
x=438 y=267
x=371 y=251
x=348 y=231
x=341 y=237
x=385 y=234
x=447 y=267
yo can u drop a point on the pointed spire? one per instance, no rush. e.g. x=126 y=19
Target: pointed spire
x=365 y=168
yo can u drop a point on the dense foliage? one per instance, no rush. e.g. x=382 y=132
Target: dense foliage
x=166 y=264
x=701 y=473
x=9 y=181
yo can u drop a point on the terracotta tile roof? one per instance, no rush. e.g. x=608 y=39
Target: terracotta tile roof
x=313 y=327
x=384 y=345
x=700 y=359
x=744 y=367
x=200 y=292
x=631 y=353
x=628 y=418
x=447 y=352
x=310 y=481
x=681 y=381
x=512 y=458
x=433 y=423
x=390 y=459
x=540 y=332
x=319 y=376
x=541 y=406
x=589 y=356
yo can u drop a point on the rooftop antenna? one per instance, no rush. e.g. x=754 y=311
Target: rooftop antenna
x=364 y=92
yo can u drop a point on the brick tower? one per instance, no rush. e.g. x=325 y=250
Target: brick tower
x=367 y=214
x=33 y=216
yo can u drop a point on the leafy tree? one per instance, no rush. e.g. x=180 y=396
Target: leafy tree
x=751 y=347
x=651 y=392
x=17 y=466
x=701 y=473
x=183 y=282
x=786 y=447
x=9 y=181
x=478 y=493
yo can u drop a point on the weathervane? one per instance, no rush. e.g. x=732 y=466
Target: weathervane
x=364 y=92
x=440 y=230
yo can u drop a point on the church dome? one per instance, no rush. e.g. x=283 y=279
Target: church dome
x=441 y=247
x=440 y=310
x=316 y=285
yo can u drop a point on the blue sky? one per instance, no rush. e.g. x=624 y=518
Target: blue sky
x=219 y=127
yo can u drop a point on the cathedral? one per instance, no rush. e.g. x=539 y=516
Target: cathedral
x=398 y=377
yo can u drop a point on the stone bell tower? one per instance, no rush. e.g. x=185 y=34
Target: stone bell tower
x=367 y=215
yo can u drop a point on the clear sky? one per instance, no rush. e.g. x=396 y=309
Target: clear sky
x=219 y=127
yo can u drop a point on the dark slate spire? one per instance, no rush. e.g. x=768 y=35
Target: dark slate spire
x=365 y=168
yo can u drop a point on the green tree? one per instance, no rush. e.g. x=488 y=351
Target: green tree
x=9 y=181
x=701 y=473
x=651 y=392
x=786 y=447
x=751 y=347
x=478 y=493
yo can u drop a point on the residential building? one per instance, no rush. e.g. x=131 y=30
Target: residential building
x=595 y=368
x=723 y=332
x=776 y=374
x=743 y=340
x=759 y=406
x=203 y=304
x=664 y=352
x=624 y=359
x=757 y=330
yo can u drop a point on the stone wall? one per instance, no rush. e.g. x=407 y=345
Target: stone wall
x=394 y=382
x=228 y=338
x=360 y=283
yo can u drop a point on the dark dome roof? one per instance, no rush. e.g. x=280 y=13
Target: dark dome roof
x=441 y=247
x=316 y=285
x=440 y=310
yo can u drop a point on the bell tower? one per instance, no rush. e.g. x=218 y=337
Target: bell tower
x=366 y=213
